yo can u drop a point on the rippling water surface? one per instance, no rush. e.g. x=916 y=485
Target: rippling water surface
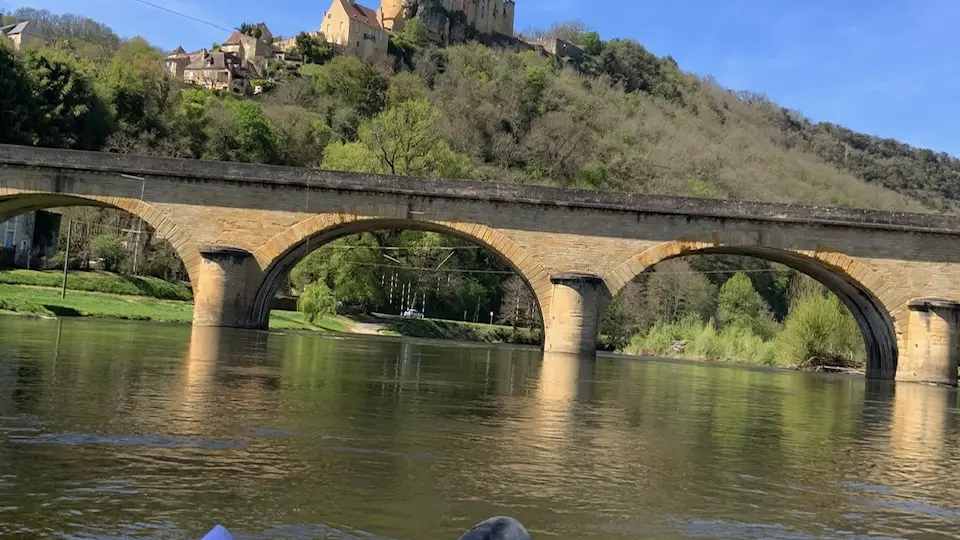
x=127 y=430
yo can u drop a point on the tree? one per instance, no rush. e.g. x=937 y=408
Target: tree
x=252 y=30
x=738 y=303
x=346 y=267
x=316 y=301
x=405 y=140
x=353 y=82
x=313 y=49
x=518 y=306
x=351 y=157
x=72 y=114
x=256 y=141
x=304 y=135
x=591 y=43
x=110 y=248
x=19 y=110
x=135 y=86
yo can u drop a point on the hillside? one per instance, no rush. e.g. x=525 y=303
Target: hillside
x=621 y=120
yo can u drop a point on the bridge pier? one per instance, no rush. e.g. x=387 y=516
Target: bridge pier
x=223 y=296
x=933 y=342
x=574 y=320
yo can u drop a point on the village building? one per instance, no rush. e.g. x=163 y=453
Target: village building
x=254 y=53
x=179 y=59
x=241 y=59
x=24 y=34
x=356 y=29
x=29 y=240
x=219 y=71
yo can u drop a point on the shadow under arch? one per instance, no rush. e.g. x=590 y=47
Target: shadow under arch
x=12 y=205
x=873 y=306
x=302 y=239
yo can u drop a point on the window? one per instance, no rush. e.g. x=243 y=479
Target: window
x=481 y=11
x=8 y=239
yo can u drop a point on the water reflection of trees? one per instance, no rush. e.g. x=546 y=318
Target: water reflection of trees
x=339 y=427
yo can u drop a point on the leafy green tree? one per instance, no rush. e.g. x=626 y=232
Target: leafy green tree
x=304 y=135
x=591 y=43
x=352 y=157
x=347 y=267
x=402 y=140
x=739 y=304
x=353 y=82
x=73 y=115
x=313 y=49
x=19 y=110
x=110 y=248
x=405 y=86
x=134 y=84
x=316 y=301
x=255 y=139
x=190 y=121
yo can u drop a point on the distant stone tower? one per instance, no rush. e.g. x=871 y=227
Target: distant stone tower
x=390 y=15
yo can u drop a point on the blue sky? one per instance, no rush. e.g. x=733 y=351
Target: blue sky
x=884 y=67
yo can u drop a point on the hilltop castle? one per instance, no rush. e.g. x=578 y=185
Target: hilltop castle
x=363 y=32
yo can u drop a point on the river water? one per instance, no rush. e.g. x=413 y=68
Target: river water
x=133 y=430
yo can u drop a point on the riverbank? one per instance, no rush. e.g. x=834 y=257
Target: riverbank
x=46 y=302
x=448 y=330
x=104 y=282
x=41 y=301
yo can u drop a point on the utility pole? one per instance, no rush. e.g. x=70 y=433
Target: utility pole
x=66 y=259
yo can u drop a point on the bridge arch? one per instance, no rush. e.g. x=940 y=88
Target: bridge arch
x=282 y=252
x=880 y=310
x=14 y=202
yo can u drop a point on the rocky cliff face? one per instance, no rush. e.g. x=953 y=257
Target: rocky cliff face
x=445 y=27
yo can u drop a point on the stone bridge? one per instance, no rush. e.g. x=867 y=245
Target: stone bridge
x=240 y=228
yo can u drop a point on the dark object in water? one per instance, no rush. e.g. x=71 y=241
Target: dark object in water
x=498 y=528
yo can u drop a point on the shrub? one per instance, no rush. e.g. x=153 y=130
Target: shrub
x=110 y=248
x=317 y=301
x=819 y=329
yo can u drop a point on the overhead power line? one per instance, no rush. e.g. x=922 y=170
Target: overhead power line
x=184 y=15
x=427 y=268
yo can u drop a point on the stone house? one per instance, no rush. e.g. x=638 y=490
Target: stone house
x=24 y=34
x=177 y=61
x=219 y=71
x=356 y=29
x=27 y=240
x=254 y=53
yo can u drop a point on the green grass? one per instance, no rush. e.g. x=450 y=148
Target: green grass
x=463 y=331
x=104 y=282
x=91 y=304
x=47 y=302
x=294 y=320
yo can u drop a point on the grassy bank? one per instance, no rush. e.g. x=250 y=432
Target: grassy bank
x=104 y=282
x=463 y=331
x=43 y=301
x=817 y=332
